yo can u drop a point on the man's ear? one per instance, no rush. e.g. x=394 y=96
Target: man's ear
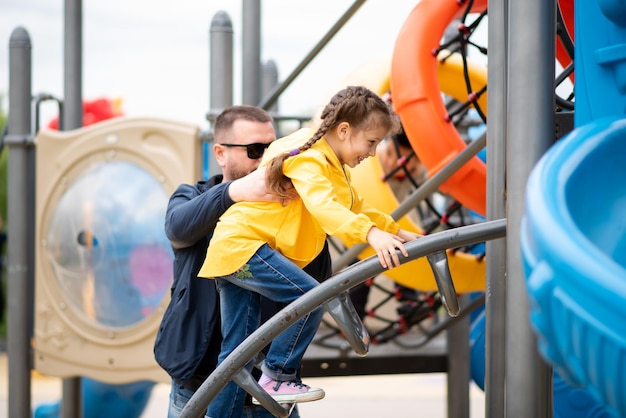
x=218 y=152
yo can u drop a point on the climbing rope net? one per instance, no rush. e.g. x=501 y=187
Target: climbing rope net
x=406 y=317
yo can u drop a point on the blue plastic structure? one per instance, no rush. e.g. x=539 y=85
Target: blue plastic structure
x=568 y=401
x=600 y=59
x=573 y=237
x=102 y=400
x=573 y=241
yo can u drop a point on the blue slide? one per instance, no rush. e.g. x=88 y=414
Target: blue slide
x=574 y=254
x=573 y=236
x=569 y=401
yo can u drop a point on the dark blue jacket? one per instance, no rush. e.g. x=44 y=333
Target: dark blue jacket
x=189 y=338
x=189 y=335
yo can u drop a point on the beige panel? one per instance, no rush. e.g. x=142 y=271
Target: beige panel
x=70 y=341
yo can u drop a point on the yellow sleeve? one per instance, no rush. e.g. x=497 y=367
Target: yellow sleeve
x=382 y=220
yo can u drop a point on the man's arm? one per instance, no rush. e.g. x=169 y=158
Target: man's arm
x=191 y=215
x=251 y=188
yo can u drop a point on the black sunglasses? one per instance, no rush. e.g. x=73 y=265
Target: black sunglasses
x=255 y=151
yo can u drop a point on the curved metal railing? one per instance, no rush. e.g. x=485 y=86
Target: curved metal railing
x=233 y=367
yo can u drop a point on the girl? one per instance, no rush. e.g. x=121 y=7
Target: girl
x=259 y=248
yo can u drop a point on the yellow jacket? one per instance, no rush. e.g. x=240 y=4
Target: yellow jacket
x=328 y=204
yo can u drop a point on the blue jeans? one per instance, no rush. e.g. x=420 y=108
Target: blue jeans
x=179 y=396
x=275 y=277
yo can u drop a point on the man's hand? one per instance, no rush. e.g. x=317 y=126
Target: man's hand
x=251 y=188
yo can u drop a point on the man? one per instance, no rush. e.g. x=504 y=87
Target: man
x=403 y=170
x=189 y=338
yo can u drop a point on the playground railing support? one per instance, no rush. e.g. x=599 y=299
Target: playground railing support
x=340 y=282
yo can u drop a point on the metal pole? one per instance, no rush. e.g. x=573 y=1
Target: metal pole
x=71 y=402
x=530 y=127
x=73 y=72
x=221 y=74
x=20 y=235
x=221 y=65
x=457 y=336
x=495 y=291
x=268 y=82
x=251 y=59
x=458 y=376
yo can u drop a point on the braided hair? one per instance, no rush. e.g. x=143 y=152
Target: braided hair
x=358 y=106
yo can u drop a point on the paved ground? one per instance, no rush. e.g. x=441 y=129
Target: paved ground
x=415 y=395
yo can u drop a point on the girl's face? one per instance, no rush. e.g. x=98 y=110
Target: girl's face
x=356 y=145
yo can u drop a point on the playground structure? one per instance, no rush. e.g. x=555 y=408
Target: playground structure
x=577 y=287
x=527 y=377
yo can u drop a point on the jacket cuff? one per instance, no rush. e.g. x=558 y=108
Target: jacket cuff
x=226 y=200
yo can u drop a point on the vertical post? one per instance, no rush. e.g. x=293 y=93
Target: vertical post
x=221 y=65
x=71 y=402
x=495 y=292
x=269 y=81
x=73 y=73
x=221 y=73
x=531 y=67
x=457 y=338
x=251 y=69
x=20 y=223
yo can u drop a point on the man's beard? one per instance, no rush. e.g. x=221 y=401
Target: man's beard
x=235 y=173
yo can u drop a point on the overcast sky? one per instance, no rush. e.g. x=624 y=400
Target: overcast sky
x=154 y=54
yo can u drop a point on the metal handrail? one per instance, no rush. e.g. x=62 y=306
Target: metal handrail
x=340 y=282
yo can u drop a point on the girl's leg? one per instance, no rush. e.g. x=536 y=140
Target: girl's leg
x=275 y=277
x=239 y=310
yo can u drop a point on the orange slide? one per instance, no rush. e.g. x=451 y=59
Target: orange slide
x=468 y=270
x=417 y=94
x=417 y=99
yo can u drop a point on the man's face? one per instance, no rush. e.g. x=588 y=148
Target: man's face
x=234 y=161
x=388 y=157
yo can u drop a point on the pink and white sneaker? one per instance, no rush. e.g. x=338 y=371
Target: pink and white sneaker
x=290 y=392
